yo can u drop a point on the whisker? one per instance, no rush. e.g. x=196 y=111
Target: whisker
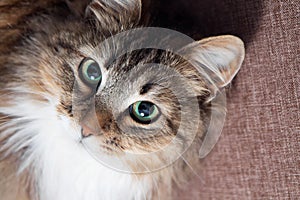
x=190 y=166
x=137 y=177
x=3 y=124
x=9 y=93
x=156 y=186
x=5 y=117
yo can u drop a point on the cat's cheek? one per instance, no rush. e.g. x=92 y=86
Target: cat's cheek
x=93 y=145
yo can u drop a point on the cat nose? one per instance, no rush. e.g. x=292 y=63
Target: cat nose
x=87 y=131
x=89 y=125
x=96 y=122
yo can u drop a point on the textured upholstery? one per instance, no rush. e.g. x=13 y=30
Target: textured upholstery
x=258 y=154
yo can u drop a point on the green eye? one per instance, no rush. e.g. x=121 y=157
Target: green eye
x=143 y=112
x=90 y=72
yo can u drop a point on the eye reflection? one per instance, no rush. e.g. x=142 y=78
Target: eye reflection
x=143 y=112
x=90 y=72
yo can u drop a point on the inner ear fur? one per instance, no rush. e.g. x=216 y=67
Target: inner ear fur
x=218 y=58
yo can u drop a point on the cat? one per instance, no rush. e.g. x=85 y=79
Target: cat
x=75 y=124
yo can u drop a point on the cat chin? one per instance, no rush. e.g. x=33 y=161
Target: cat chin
x=61 y=167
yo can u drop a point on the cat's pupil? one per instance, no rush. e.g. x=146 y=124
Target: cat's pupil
x=145 y=109
x=90 y=72
x=93 y=72
x=143 y=112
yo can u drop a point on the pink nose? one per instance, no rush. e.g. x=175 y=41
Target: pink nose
x=87 y=131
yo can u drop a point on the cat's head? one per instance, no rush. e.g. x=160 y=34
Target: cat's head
x=142 y=107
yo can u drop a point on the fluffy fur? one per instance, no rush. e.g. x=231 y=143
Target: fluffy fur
x=44 y=104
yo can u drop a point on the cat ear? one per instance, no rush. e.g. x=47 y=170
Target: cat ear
x=218 y=58
x=116 y=15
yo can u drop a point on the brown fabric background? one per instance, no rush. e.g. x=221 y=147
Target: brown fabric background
x=258 y=154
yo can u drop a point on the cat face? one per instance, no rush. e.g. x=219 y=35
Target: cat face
x=133 y=106
x=142 y=108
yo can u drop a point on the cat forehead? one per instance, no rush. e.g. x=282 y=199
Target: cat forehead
x=136 y=69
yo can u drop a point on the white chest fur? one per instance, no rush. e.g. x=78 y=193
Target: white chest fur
x=61 y=167
x=69 y=172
